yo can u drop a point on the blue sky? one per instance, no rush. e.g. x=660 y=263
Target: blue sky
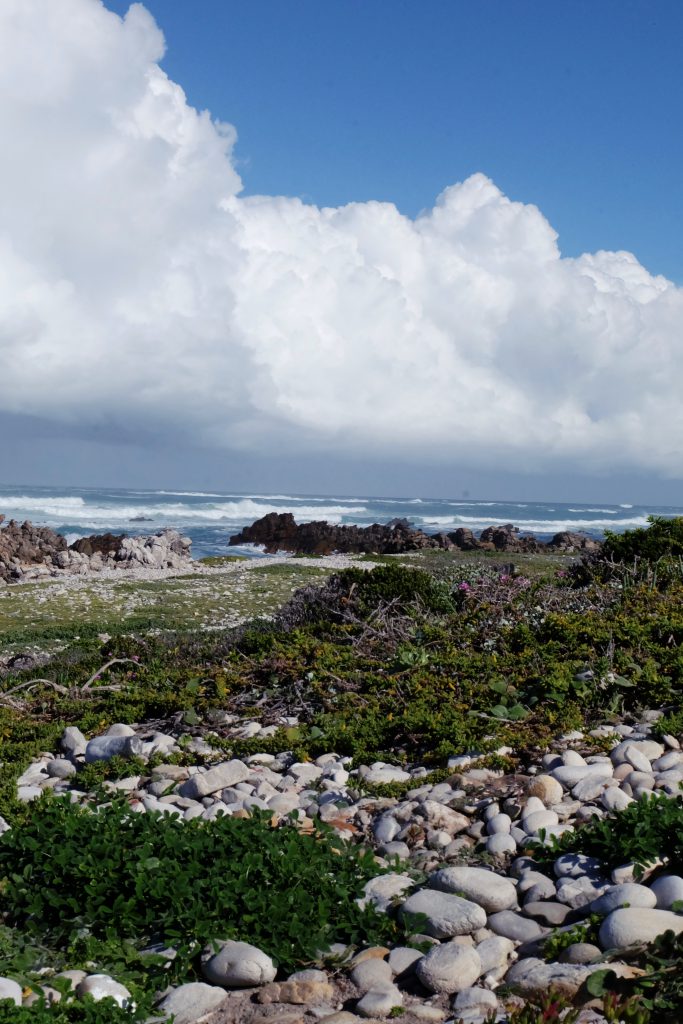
x=574 y=106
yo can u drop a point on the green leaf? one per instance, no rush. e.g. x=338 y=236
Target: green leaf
x=599 y=982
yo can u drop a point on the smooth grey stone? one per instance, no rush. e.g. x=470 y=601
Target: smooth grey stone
x=649 y=748
x=499 y=824
x=521 y=866
x=379 y=1002
x=538 y=893
x=589 y=789
x=403 y=959
x=161 y=787
x=60 y=768
x=573 y=757
x=383 y=890
x=170 y=771
x=514 y=926
x=238 y=965
x=489 y=890
x=532 y=976
x=120 y=729
x=475 y=999
x=546 y=912
x=35 y=775
x=385 y=829
x=578 y=892
x=103 y=748
x=373 y=973
x=533 y=823
x=446 y=915
x=628 y=895
x=191 y=1003
x=672 y=759
x=395 y=849
x=73 y=742
x=494 y=953
x=573 y=865
x=631 y=926
x=28 y=793
x=570 y=775
x=309 y=974
x=101 y=986
x=536 y=880
x=10 y=989
x=449 y=968
x=667 y=889
x=223 y=776
x=580 y=953
x=639 y=780
x=501 y=844
x=615 y=800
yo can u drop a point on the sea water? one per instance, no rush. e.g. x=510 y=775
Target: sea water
x=210 y=518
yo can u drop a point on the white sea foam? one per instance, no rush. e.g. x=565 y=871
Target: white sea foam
x=606 y=511
x=534 y=525
x=76 y=510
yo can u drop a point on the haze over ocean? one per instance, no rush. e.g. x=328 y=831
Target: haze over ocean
x=211 y=518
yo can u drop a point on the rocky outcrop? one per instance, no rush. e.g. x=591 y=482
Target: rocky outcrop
x=280 y=532
x=508 y=538
x=24 y=547
x=34 y=552
x=569 y=541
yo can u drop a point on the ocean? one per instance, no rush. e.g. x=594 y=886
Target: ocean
x=211 y=518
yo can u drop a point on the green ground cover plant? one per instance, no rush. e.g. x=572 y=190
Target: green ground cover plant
x=76 y=879
x=639 y=833
x=395 y=664
x=85 y=1011
x=390 y=664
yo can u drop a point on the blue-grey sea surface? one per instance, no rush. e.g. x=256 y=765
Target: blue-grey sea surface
x=211 y=518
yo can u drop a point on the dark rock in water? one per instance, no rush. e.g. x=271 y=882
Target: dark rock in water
x=103 y=543
x=278 y=531
x=464 y=539
x=508 y=538
x=569 y=541
x=141 y=519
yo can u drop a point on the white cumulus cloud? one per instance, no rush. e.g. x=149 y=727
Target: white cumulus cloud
x=139 y=291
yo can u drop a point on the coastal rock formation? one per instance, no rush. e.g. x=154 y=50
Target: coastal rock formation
x=569 y=541
x=508 y=538
x=167 y=549
x=280 y=532
x=34 y=552
x=24 y=547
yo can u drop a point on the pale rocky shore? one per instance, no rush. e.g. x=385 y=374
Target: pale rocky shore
x=457 y=852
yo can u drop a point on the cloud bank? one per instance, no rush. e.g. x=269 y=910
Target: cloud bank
x=141 y=295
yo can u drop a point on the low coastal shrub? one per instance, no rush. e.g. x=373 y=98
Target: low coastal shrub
x=657 y=993
x=662 y=537
x=376 y=665
x=71 y=877
x=639 y=833
x=77 y=1011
